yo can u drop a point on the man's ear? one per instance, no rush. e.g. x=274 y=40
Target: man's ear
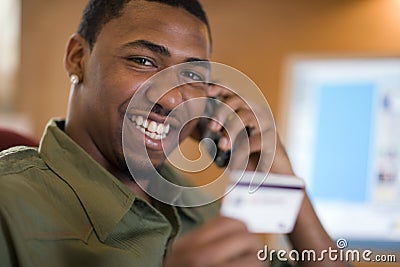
x=75 y=55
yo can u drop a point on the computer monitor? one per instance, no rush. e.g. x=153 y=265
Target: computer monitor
x=343 y=137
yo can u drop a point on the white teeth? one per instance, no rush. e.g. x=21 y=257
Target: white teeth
x=152 y=126
x=160 y=128
x=139 y=120
x=154 y=130
x=155 y=136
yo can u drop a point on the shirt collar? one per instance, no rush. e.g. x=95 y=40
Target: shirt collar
x=97 y=189
x=198 y=214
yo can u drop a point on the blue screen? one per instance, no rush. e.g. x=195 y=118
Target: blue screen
x=343 y=142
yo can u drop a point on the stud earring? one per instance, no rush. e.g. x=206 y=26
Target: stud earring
x=74 y=79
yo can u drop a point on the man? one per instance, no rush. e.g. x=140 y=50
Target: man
x=73 y=201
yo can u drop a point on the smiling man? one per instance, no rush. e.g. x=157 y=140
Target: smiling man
x=73 y=201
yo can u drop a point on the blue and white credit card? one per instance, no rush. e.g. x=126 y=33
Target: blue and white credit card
x=267 y=203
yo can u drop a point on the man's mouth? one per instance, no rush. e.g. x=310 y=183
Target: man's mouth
x=152 y=129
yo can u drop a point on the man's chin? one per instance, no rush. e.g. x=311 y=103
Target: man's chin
x=158 y=163
x=156 y=159
x=144 y=167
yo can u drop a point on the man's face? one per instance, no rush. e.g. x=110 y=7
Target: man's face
x=147 y=38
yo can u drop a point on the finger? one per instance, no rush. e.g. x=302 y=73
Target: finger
x=261 y=143
x=243 y=119
x=224 y=111
x=228 y=249
x=247 y=260
x=212 y=230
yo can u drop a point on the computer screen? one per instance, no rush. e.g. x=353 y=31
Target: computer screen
x=343 y=137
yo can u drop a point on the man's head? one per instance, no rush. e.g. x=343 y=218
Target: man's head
x=99 y=12
x=135 y=41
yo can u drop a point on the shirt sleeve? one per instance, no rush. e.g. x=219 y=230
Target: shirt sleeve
x=7 y=252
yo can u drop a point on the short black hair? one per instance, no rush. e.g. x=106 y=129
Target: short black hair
x=97 y=13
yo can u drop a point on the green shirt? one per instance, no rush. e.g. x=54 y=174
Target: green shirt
x=59 y=207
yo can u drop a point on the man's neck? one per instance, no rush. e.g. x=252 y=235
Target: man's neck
x=123 y=176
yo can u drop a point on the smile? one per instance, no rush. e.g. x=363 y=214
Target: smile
x=152 y=129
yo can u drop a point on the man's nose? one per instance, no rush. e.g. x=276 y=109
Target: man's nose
x=168 y=100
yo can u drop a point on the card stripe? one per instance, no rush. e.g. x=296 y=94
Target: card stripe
x=290 y=187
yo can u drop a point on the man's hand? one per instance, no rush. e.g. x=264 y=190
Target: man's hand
x=247 y=129
x=218 y=243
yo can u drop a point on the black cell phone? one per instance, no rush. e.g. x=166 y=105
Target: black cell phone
x=221 y=158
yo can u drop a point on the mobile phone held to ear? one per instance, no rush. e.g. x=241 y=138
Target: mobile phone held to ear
x=221 y=158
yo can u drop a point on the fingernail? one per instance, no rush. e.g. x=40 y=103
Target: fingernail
x=213 y=125
x=223 y=143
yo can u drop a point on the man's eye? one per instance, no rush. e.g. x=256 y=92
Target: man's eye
x=192 y=76
x=141 y=61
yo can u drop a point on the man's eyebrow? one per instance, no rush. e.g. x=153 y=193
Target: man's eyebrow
x=162 y=50
x=159 y=49
x=200 y=62
x=195 y=59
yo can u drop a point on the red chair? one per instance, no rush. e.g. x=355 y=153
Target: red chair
x=10 y=138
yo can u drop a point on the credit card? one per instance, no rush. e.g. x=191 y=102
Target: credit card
x=266 y=203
